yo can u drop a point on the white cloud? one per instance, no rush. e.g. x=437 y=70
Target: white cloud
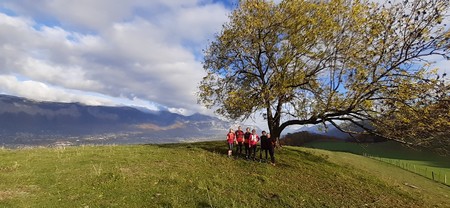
x=99 y=14
x=44 y=92
x=195 y=24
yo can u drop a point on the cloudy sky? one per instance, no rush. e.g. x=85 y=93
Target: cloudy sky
x=109 y=52
x=133 y=52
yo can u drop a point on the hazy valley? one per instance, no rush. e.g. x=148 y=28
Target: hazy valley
x=28 y=122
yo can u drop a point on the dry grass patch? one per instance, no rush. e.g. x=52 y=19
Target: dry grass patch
x=11 y=194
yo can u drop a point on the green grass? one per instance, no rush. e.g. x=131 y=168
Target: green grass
x=200 y=175
x=423 y=162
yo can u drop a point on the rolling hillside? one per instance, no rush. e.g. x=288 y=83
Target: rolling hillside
x=200 y=175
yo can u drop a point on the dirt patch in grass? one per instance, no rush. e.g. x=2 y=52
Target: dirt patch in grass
x=10 y=194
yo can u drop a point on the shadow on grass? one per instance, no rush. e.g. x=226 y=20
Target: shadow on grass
x=218 y=147
x=309 y=156
x=203 y=204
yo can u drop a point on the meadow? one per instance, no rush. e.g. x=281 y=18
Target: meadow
x=423 y=162
x=201 y=175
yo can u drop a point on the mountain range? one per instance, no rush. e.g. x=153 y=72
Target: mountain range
x=29 y=122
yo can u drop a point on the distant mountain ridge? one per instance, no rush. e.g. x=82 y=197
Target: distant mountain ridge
x=331 y=131
x=35 y=119
x=316 y=132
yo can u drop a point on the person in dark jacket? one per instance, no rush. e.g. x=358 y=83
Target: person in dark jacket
x=267 y=145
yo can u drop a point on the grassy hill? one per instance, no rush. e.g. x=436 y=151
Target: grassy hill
x=200 y=175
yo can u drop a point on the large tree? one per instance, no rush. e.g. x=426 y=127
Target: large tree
x=310 y=62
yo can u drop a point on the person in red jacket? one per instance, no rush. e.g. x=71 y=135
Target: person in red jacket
x=240 y=140
x=253 y=143
x=231 y=138
x=247 y=135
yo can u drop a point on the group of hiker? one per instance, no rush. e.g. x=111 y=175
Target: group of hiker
x=249 y=140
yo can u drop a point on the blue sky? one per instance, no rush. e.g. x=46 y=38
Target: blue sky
x=109 y=52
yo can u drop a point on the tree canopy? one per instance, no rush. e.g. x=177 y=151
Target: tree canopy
x=310 y=62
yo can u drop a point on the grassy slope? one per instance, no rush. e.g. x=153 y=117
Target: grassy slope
x=200 y=175
x=423 y=162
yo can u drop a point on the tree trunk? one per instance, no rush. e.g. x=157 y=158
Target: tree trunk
x=275 y=132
